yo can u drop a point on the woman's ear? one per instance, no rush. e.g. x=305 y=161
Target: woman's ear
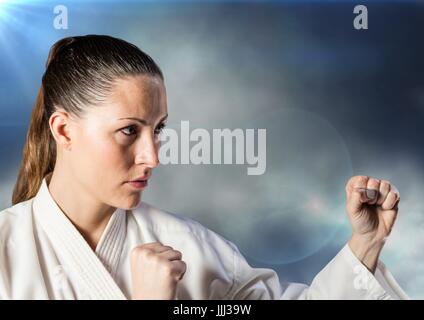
x=60 y=126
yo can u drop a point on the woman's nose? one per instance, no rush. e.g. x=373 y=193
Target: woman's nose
x=148 y=151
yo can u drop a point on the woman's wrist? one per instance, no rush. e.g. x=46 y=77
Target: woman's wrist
x=366 y=250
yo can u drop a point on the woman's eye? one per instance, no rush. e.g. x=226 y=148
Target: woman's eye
x=129 y=131
x=160 y=128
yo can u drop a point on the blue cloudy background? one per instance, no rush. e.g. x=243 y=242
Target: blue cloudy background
x=335 y=101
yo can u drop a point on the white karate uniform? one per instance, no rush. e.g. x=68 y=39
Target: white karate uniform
x=43 y=256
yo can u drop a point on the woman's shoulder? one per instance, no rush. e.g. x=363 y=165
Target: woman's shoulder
x=12 y=219
x=16 y=213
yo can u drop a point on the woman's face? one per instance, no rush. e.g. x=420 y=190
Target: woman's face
x=118 y=141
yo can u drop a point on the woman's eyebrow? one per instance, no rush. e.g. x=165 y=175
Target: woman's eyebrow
x=142 y=121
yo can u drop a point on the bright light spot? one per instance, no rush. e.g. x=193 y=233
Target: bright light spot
x=315 y=205
x=4 y=10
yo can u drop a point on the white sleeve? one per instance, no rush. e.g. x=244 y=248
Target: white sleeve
x=344 y=277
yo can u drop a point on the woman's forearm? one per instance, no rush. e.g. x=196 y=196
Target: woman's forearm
x=366 y=251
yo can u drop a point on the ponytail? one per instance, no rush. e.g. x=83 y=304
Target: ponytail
x=38 y=154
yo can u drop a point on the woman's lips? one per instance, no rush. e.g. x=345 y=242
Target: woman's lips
x=141 y=184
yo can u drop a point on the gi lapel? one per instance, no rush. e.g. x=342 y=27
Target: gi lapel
x=96 y=281
x=112 y=241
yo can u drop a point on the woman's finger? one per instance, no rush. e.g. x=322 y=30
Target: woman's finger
x=366 y=195
x=356 y=182
x=157 y=247
x=171 y=255
x=383 y=192
x=163 y=249
x=180 y=269
x=391 y=200
x=373 y=186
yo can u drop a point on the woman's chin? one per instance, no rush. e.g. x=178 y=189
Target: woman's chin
x=133 y=201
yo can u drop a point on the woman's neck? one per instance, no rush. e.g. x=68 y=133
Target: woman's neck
x=88 y=215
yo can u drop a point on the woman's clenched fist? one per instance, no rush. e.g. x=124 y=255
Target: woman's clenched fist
x=372 y=208
x=156 y=270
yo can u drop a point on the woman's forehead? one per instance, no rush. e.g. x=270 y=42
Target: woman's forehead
x=136 y=96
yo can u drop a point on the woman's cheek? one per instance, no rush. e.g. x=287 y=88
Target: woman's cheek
x=99 y=155
x=109 y=155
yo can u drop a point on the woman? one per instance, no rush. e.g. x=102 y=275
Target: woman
x=77 y=228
